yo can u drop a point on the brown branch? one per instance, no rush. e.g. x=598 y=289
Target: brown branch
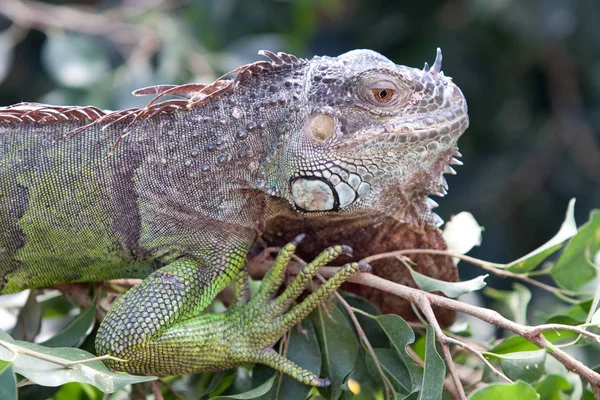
x=30 y=14
x=156 y=390
x=77 y=291
x=575 y=329
x=47 y=17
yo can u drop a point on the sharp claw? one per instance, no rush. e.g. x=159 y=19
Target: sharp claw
x=322 y=382
x=347 y=250
x=296 y=241
x=364 y=267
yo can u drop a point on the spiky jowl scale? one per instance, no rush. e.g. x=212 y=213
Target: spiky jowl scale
x=177 y=191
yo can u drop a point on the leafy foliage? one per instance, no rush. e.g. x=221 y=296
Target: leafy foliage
x=329 y=342
x=575 y=268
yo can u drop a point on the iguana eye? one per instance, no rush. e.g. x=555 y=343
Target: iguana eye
x=383 y=95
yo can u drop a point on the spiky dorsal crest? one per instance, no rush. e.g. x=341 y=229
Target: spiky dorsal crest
x=188 y=96
x=39 y=113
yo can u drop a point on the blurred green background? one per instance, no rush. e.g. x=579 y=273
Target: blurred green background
x=530 y=71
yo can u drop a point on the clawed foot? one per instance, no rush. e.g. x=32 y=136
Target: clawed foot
x=263 y=320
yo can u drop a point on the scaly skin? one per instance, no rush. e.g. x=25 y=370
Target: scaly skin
x=177 y=193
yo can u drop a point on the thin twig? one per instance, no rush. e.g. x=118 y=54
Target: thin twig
x=156 y=390
x=16 y=349
x=478 y=354
x=170 y=389
x=471 y=347
x=29 y=14
x=363 y=337
x=494 y=268
x=571 y=328
x=425 y=307
x=140 y=391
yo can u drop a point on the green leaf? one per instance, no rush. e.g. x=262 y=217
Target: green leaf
x=533 y=259
x=551 y=387
x=505 y=391
x=56 y=305
x=73 y=334
x=220 y=382
x=74 y=60
x=394 y=369
x=369 y=324
x=592 y=317
x=243 y=378
x=338 y=344
x=450 y=289
x=8 y=384
x=515 y=301
x=527 y=366
x=4 y=365
x=577 y=312
x=596 y=318
x=588 y=395
x=361 y=375
x=256 y=393
x=42 y=365
x=303 y=349
x=401 y=336
x=435 y=370
x=560 y=336
x=513 y=344
x=572 y=270
x=76 y=390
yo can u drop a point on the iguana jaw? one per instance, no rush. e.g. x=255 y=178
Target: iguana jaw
x=417 y=153
x=445 y=128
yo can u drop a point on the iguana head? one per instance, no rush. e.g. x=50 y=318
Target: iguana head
x=377 y=136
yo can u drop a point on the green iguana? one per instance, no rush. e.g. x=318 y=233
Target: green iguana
x=177 y=193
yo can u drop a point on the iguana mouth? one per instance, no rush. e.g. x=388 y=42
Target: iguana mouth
x=417 y=131
x=444 y=126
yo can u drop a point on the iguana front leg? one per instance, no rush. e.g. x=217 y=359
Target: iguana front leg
x=135 y=326
x=157 y=326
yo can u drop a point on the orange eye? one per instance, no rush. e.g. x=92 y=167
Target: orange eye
x=383 y=95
